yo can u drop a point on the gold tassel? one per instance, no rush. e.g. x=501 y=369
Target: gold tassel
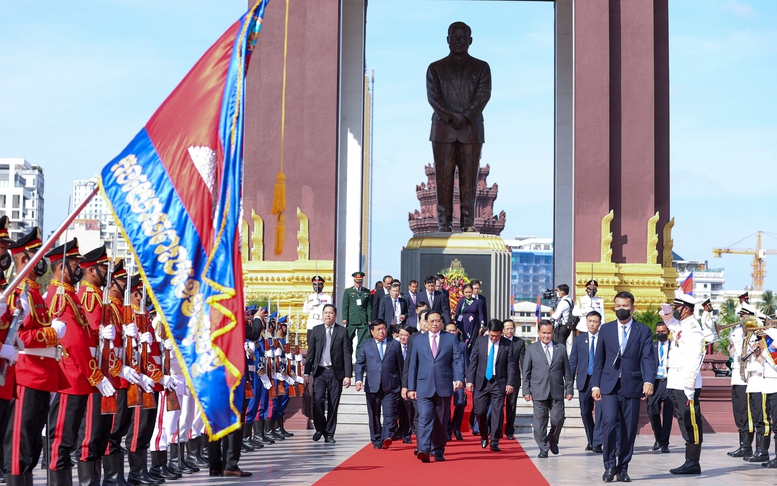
x=280 y=234
x=278 y=208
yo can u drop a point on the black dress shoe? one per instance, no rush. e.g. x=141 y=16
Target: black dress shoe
x=510 y=437
x=439 y=458
x=665 y=449
x=597 y=449
x=386 y=443
x=483 y=443
x=608 y=476
x=423 y=456
x=407 y=441
x=330 y=440
x=623 y=477
x=542 y=454
x=449 y=436
x=215 y=472
x=376 y=447
x=415 y=452
x=457 y=434
x=589 y=447
x=554 y=447
x=316 y=436
x=495 y=447
x=656 y=446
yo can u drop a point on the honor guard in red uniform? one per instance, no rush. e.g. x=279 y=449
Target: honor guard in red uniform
x=37 y=371
x=97 y=423
x=79 y=361
x=8 y=354
x=113 y=461
x=144 y=417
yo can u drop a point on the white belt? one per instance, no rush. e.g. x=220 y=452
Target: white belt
x=53 y=353
x=251 y=368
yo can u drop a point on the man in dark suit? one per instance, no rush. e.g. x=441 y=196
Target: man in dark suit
x=381 y=360
x=660 y=408
x=476 y=285
x=379 y=294
x=412 y=299
x=458 y=88
x=519 y=348
x=407 y=415
x=437 y=301
x=329 y=361
x=624 y=372
x=491 y=373
x=393 y=308
x=581 y=361
x=436 y=368
x=547 y=380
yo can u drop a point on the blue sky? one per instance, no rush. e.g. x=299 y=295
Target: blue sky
x=79 y=79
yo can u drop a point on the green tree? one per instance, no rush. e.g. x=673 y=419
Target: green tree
x=768 y=303
x=648 y=317
x=728 y=315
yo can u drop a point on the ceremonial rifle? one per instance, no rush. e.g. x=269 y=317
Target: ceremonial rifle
x=148 y=400
x=300 y=371
x=130 y=344
x=269 y=368
x=289 y=364
x=171 y=398
x=280 y=368
x=13 y=328
x=108 y=405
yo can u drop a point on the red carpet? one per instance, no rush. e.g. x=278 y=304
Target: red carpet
x=466 y=464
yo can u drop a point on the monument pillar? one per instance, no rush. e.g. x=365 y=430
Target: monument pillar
x=621 y=146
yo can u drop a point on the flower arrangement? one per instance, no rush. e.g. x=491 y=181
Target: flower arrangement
x=454 y=278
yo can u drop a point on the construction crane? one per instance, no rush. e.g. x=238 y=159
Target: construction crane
x=759 y=264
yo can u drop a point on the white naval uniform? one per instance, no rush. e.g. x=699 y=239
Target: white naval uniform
x=314 y=306
x=735 y=339
x=708 y=326
x=685 y=355
x=585 y=305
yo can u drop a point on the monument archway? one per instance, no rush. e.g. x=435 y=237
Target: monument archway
x=611 y=148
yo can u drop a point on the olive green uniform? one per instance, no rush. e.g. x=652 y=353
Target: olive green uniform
x=356 y=311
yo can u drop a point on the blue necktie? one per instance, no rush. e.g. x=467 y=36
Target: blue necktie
x=380 y=350
x=591 y=357
x=490 y=362
x=624 y=340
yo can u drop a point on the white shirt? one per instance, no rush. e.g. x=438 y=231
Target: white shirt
x=585 y=305
x=561 y=310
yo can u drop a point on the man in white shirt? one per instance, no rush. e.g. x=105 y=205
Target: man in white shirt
x=562 y=314
x=315 y=302
x=587 y=303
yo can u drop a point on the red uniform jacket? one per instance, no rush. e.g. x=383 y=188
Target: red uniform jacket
x=37 y=372
x=91 y=299
x=78 y=362
x=7 y=390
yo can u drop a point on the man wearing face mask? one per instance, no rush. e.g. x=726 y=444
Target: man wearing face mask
x=95 y=427
x=79 y=361
x=315 y=302
x=661 y=423
x=708 y=324
x=684 y=376
x=587 y=304
x=37 y=372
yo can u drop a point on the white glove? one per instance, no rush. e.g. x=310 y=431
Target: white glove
x=689 y=393
x=269 y=354
x=25 y=304
x=168 y=344
x=109 y=333
x=105 y=387
x=289 y=380
x=180 y=388
x=146 y=383
x=689 y=383
x=130 y=330
x=299 y=379
x=60 y=327
x=130 y=375
x=298 y=358
x=278 y=352
x=146 y=338
x=169 y=382
x=9 y=353
x=266 y=383
x=251 y=346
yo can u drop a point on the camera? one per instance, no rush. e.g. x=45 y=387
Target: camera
x=549 y=294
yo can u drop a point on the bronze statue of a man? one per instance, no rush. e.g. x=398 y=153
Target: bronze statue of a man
x=458 y=87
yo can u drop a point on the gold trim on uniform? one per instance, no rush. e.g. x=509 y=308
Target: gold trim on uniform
x=765 y=415
x=695 y=426
x=90 y=297
x=96 y=376
x=47 y=335
x=77 y=310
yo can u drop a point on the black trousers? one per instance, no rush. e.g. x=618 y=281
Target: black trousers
x=589 y=409
x=757 y=413
x=224 y=454
x=142 y=427
x=459 y=404
x=22 y=441
x=389 y=403
x=326 y=397
x=561 y=334
x=94 y=431
x=65 y=417
x=771 y=408
x=490 y=396
x=5 y=414
x=661 y=421
x=688 y=415
x=739 y=407
x=406 y=418
x=511 y=402
x=121 y=422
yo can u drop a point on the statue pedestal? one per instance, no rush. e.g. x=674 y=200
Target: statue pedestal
x=483 y=257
